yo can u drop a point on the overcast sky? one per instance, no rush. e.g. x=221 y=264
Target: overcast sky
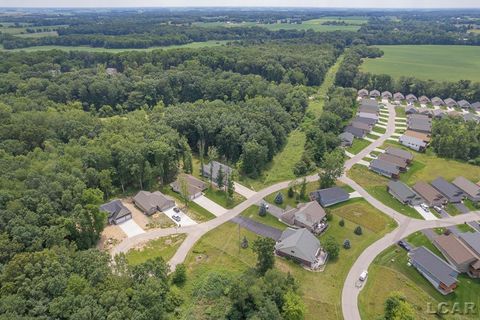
x=244 y=3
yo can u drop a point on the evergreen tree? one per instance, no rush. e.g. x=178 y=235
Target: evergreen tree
x=346 y=244
x=262 y=211
x=263 y=247
x=244 y=243
x=358 y=230
x=220 y=178
x=279 y=198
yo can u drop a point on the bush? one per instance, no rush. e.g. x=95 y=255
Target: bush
x=331 y=247
x=341 y=223
x=358 y=230
x=290 y=192
x=244 y=243
x=279 y=198
x=262 y=212
x=346 y=244
x=180 y=275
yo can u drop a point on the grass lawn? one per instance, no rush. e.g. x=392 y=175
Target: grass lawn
x=379 y=129
x=164 y=247
x=219 y=250
x=470 y=205
x=428 y=62
x=194 y=211
x=376 y=185
x=269 y=220
x=220 y=197
x=292 y=202
x=465 y=228
x=358 y=145
x=390 y=272
x=211 y=43
x=418 y=239
x=400 y=112
x=452 y=210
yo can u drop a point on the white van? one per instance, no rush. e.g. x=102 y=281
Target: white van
x=363 y=276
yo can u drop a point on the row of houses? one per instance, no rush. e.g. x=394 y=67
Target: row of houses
x=418 y=133
x=440 y=114
x=462 y=254
x=363 y=123
x=438 y=193
x=392 y=162
x=424 y=100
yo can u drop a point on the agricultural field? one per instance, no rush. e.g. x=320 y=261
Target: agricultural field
x=440 y=63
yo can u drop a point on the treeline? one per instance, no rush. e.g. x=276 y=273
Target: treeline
x=454 y=138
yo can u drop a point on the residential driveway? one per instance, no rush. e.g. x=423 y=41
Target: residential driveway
x=426 y=215
x=184 y=219
x=272 y=209
x=461 y=207
x=258 y=228
x=131 y=228
x=244 y=191
x=210 y=205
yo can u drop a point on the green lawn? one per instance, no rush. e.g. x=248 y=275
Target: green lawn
x=269 y=220
x=358 y=145
x=376 y=185
x=219 y=250
x=452 y=210
x=220 y=197
x=292 y=202
x=379 y=129
x=418 y=239
x=164 y=247
x=211 y=43
x=465 y=228
x=196 y=212
x=427 y=62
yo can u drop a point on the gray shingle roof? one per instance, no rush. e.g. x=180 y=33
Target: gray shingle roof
x=359 y=133
x=384 y=166
x=330 y=196
x=450 y=102
x=346 y=138
x=411 y=97
x=472 y=240
x=464 y=104
x=115 y=209
x=467 y=186
x=449 y=190
x=387 y=94
x=398 y=96
x=437 y=101
x=476 y=106
x=152 y=201
x=369 y=103
x=399 y=153
x=301 y=244
x=403 y=192
x=369 y=121
x=216 y=168
x=436 y=266
x=374 y=93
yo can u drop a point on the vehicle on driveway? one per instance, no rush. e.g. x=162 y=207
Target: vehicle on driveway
x=176 y=218
x=176 y=210
x=424 y=207
x=403 y=244
x=438 y=209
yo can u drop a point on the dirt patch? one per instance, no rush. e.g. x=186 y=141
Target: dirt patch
x=138 y=216
x=111 y=236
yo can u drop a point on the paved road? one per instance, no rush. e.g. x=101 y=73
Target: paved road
x=258 y=228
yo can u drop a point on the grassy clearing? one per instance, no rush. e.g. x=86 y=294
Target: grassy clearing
x=219 y=250
x=269 y=220
x=163 y=247
x=428 y=62
x=376 y=185
x=358 y=145
x=292 y=202
x=212 y=43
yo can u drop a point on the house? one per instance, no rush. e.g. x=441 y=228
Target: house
x=471 y=190
x=363 y=93
x=346 y=139
x=425 y=137
x=450 y=191
x=356 y=132
x=369 y=103
x=384 y=168
x=437 y=102
x=151 y=202
x=423 y=100
x=471 y=117
x=438 y=272
x=431 y=196
x=194 y=186
x=369 y=121
x=330 y=196
x=456 y=252
x=425 y=111
x=408 y=156
x=368 y=115
x=301 y=246
x=410 y=110
x=369 y=108
x=438 y=114
x=472 y=241
x=399 y=162
x=419 y=122
x=464 y=104
x=412 y=143
x=475 y=106
x=449 y=102
x=117 y=212
x=403 y=193
x=374 y=93
x=361 y=125
x=214 y=168
x=387 y=95
x=398 y=97
x=308 y=215
x=411 y=98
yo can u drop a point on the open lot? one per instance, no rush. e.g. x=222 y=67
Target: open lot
x=164 y=247
x=441 y=63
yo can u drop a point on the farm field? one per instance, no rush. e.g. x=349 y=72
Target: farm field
x=441 y=63
x=212 y=43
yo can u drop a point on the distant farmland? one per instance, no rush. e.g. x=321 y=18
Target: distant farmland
x=440 y=63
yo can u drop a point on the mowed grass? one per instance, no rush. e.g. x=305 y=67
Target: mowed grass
x=321 y=291
x=269 y=220
x=212 y=43
x=358 y=145
x=164 y=247
x=220 y=197
x=440 y=63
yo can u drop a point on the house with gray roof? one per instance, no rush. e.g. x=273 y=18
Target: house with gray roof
x=438 y=272
x=438 y=114
x=330 y=196
x=151 y=202
x=437 y=102
x=346 y=139
x=471 y=117
x=408 y=156
x=419 y=122
x=449 y=190
x=361 y=125
x=412 y=143
x=464 y=104
x=387 y=95
x=308 y=215
x=374 y=93
x=472 y=240
x=214 y=168
x=410 y=110
x=369 y=121
x=117 y=212
x=368 y=109
x=357 y=132
x=398 y=97
x=475 y=106
x=363 y=93
x=384 y=168
x=369 y=103
x=193 y=186
x=411 y=98
x=423 y=100
x=399 y=162
x=425 y=111
x=449 y=102
x=301 y=246
x=403 y=193
x=373 y=116
x=471 y=190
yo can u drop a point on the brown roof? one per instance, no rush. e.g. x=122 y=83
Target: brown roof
x=428 y=192
x=467 y=186
x=194 y=185
x=402 y=163
x=419 y=135
x=455 y=249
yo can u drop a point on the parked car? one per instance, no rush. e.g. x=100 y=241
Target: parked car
x=424 y=207
x=176 y=218
x=438 y=209
x=363 y=276
x=176 y=209
x=404 y=245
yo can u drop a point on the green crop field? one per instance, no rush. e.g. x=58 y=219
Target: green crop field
x=441 y=63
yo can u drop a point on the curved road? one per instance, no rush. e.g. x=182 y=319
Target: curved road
x=350 y=293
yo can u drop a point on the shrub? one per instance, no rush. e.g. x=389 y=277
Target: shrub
x=244 y=243
x=331 y=247
x=358 y=230
x=341 y=223
x=346 y=244
x=262 y=211
x=279 y=198
x=290 y=192
x=180 y=275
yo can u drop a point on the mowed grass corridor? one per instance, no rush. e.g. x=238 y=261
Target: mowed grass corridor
x=440 y=63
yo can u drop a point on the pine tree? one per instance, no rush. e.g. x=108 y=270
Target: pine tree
x=262 y=212
x=279 y=198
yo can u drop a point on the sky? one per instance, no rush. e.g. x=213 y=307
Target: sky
x=247 y=3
